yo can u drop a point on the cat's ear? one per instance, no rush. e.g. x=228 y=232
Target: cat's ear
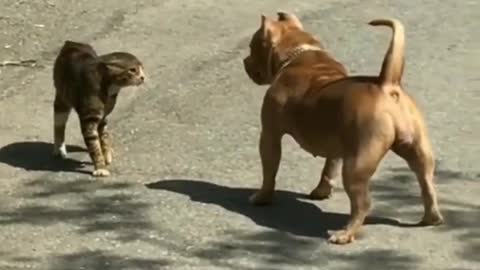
x=109 y=67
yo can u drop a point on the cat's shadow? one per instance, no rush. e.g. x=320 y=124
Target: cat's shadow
x=37 y=156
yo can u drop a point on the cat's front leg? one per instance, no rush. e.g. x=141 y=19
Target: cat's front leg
x=89 y=126
x=105 y=141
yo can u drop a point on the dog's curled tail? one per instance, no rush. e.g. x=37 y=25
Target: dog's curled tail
x=392 y=67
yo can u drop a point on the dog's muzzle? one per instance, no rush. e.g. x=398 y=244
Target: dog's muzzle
x=253 y=71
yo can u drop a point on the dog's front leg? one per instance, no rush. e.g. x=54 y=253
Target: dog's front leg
x=324 y=188
x=270 y=153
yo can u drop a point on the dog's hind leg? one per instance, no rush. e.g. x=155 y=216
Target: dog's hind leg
x=270 y=153
x=325 y=186
x=421 y=161
x=359 y=164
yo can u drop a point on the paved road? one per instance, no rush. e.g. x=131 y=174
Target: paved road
x=186 y=143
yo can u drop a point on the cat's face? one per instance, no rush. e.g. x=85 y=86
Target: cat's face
x=124 y=69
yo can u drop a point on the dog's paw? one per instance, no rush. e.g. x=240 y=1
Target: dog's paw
x=432 y=219
x=101 y=173
x=261 y=198
x=342 y=237
x=320 y=193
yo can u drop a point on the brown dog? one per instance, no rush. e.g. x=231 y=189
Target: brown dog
x=354 y=120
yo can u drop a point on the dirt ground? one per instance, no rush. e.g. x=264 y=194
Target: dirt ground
x=186 y=157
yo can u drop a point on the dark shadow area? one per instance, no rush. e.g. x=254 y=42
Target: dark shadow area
x=467 y=222
x=377 y=259
x=37 y=156
x=104 y=260
x=288 y=213
x=13 y=258
x=269 y=250
x=272 y=250
x=398 y=197
x=401 y=192
x=88 y=259
x=95 y=207
x=442 y=175
x=470 y=252
x=45 y=188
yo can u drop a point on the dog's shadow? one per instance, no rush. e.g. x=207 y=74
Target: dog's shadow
x=37 y=156
x=288 y=213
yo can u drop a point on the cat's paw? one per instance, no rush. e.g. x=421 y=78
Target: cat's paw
x=60 y=151
x=101 y=173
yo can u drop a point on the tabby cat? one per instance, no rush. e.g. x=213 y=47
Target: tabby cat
x=89 y=83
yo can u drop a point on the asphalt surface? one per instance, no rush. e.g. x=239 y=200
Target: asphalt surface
x=186 y=157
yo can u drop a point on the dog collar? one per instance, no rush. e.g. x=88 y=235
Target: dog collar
x=289 y=58
x=297 y=51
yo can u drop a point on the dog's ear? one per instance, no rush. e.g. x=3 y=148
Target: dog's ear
x=290 y=18
x=270 y=30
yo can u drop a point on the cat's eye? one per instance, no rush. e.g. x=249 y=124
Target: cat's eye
x=133 y=70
